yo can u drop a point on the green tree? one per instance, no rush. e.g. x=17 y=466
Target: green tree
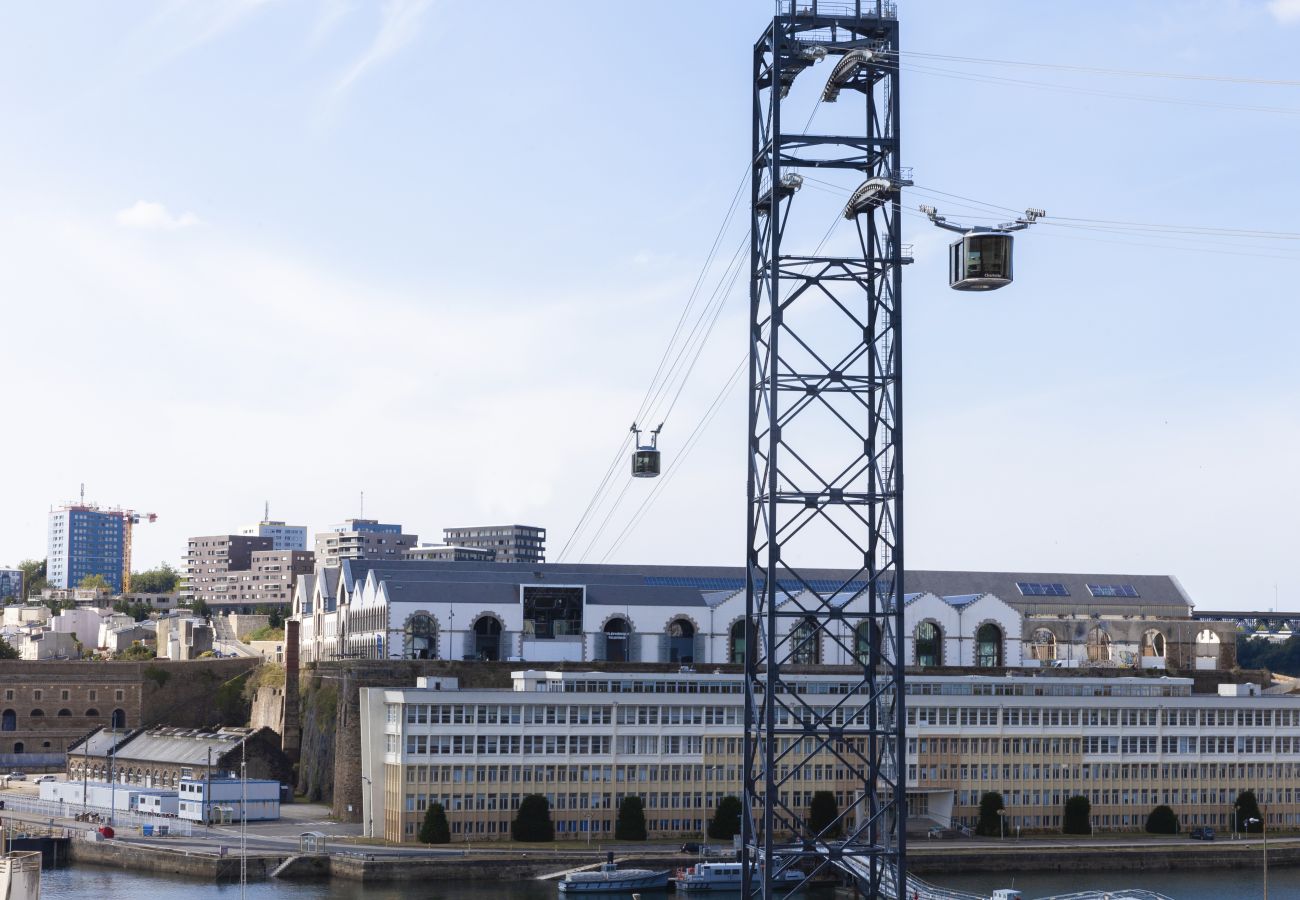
x=274 y=614
x=1162 y=820
x=135 y=609
x=135 y=652
x=533 y=820
x=200 y=608
x=7 y=650
x=1078 y=816
x=630 y=825
x=990 y=823
x=33 y=577
x=158 y=580
x=95 y=583
x=434 y=829
x=822 y=812
x=726 y=819
x=1246 y=807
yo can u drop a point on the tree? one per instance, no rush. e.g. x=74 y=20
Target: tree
x=200 y=608
x=533 y=820
x=136 y=651
x=1246 y=808
x=822 y=812
x=1078 y=816
x=726 y=819
x=1162 y=820
x=7 y=650
x=94 y=583
x=630 y=825
x=137 y=610
x=990 y=823
x=274 y=614
x=158 y=580
x=33 y=576
x=435 y=829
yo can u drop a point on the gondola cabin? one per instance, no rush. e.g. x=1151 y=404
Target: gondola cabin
x=980 y=261
x=645 y=462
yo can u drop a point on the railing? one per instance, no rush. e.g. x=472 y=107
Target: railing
x=858 y=9
x=55 y=810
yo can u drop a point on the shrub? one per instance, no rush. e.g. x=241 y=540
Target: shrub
x=533 y=820
x=434 y=829
x=990 y=823
x=822 y=812
x=1162 y=820
x=1078 y=814
x=726 y=819
x=630 y=825
x=1246 y=808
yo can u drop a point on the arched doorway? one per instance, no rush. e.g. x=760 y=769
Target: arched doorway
x=738 y=641
x=8 y=720
x=866 y=640
x=1153 y=644
x=1098 y=645
x=487 y=638
x=805 y=643
x=119 y=719
x=929 y=644
x=618 y=634
x=1042 y=645
x=421 y=637
x=988 y=646
x=19 y=747
x=681 y=641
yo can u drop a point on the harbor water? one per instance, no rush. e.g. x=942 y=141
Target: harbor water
x=116 y=884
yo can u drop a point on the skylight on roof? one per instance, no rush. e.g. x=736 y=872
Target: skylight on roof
x=1113 y=590
x=1042 y=589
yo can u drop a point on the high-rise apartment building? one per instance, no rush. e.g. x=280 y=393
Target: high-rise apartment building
x=208 y=560
x=283 y=537
x=362 y=539
x=85 y=540
x=269 y=579
x=512 y=543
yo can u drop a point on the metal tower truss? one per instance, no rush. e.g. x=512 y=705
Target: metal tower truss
x=825 y=452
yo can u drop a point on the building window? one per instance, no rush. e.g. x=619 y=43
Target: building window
x=617 y=637
x=929 y=644
x=681 y=641
x=8 y=720
x=1098 y=645
x=988 y=646
x=740 y=639
x=805 y=642
x=1043 y=645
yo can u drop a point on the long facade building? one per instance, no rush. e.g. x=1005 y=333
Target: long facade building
x=586 y=740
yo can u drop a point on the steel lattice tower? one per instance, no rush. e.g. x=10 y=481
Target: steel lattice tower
x=825 y=462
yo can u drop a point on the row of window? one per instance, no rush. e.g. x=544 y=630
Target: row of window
x=9 y=719
x=1033 y=716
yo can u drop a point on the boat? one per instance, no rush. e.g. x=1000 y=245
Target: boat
x=723 y=876
x=610 y=878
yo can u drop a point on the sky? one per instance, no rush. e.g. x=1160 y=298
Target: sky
x=273 y=251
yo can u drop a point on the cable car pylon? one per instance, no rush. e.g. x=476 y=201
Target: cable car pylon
x=982 y=259
x=645 y=457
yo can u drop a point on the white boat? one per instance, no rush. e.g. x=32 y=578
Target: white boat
x=609 y=878
x=723 y=876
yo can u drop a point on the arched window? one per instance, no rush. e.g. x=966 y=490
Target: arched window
x=739 y=641
x=681 y=641
x=1042 y=645
x=8 y=720
x=866 y=636
x=92 y=713
x=1153 y=644
x=805 y=643
x=19 y=747
x=929 y=644
x=37 y=713
x=1098 y=645
x=487 y=638
x=64 y=712
x=617 y=637
x=421 y=637
x=119 y=718
x=988 y=646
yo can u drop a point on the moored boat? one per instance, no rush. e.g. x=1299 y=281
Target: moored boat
x=609 y=878
x=723 y=876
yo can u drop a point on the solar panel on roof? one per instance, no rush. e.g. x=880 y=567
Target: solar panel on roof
x=1042 y=589
x=1113 y=590
x=789 y=586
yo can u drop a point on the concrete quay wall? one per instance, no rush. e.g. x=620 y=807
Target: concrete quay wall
x=167 y=861
x=929 y=862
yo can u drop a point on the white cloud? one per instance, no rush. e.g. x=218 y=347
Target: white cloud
x=144 y=214
x=399 y=24
x=1285 y=11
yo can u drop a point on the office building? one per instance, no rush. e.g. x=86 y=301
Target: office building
x=511 y=543
x=283 y=537
x=362 y=539
x=85 y=540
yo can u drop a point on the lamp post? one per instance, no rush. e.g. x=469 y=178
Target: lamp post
x=1264 y=828
x=1002 y=823
x=368 y=801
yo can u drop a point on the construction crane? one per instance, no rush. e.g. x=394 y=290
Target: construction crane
x=130 y=518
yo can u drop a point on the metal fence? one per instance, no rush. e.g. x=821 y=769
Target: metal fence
x=157 y=825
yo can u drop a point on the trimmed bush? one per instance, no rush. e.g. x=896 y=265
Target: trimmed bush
x=533 y=820
x=434 y=829
x=1162 y=820
x=1078 y=816
x=726 y=819
x=630 y=825
x=990 y=823
x=822 y=811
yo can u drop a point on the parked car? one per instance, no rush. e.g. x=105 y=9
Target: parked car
x=690 y=847
x=15 y=775
x=46 y=778
x=1202 y=834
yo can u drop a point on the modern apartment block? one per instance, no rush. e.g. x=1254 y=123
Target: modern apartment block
x=450 y=553
x=85 y=540
x=210 y=558
x=585 y=740
x=11 y=584
x=512 y=543
x=269 y=579
x=362 y=539
x=283 y=537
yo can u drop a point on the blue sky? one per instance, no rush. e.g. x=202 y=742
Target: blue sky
x=274 y=250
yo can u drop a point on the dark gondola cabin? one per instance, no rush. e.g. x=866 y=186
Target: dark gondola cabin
x=980 y=262
x=645 y=462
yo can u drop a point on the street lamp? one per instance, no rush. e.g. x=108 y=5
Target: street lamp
x=1002 y=823
x=370 y=805
x=1264 y=828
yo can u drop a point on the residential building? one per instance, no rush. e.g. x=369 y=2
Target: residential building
x=85 y=540
x=585 y=740
x=210 y=557
x=447 y=552
x=511 y=543
x=39 y=645
x=11 y=584
x=283 y=537
x=268 y=581
x=362 y=539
